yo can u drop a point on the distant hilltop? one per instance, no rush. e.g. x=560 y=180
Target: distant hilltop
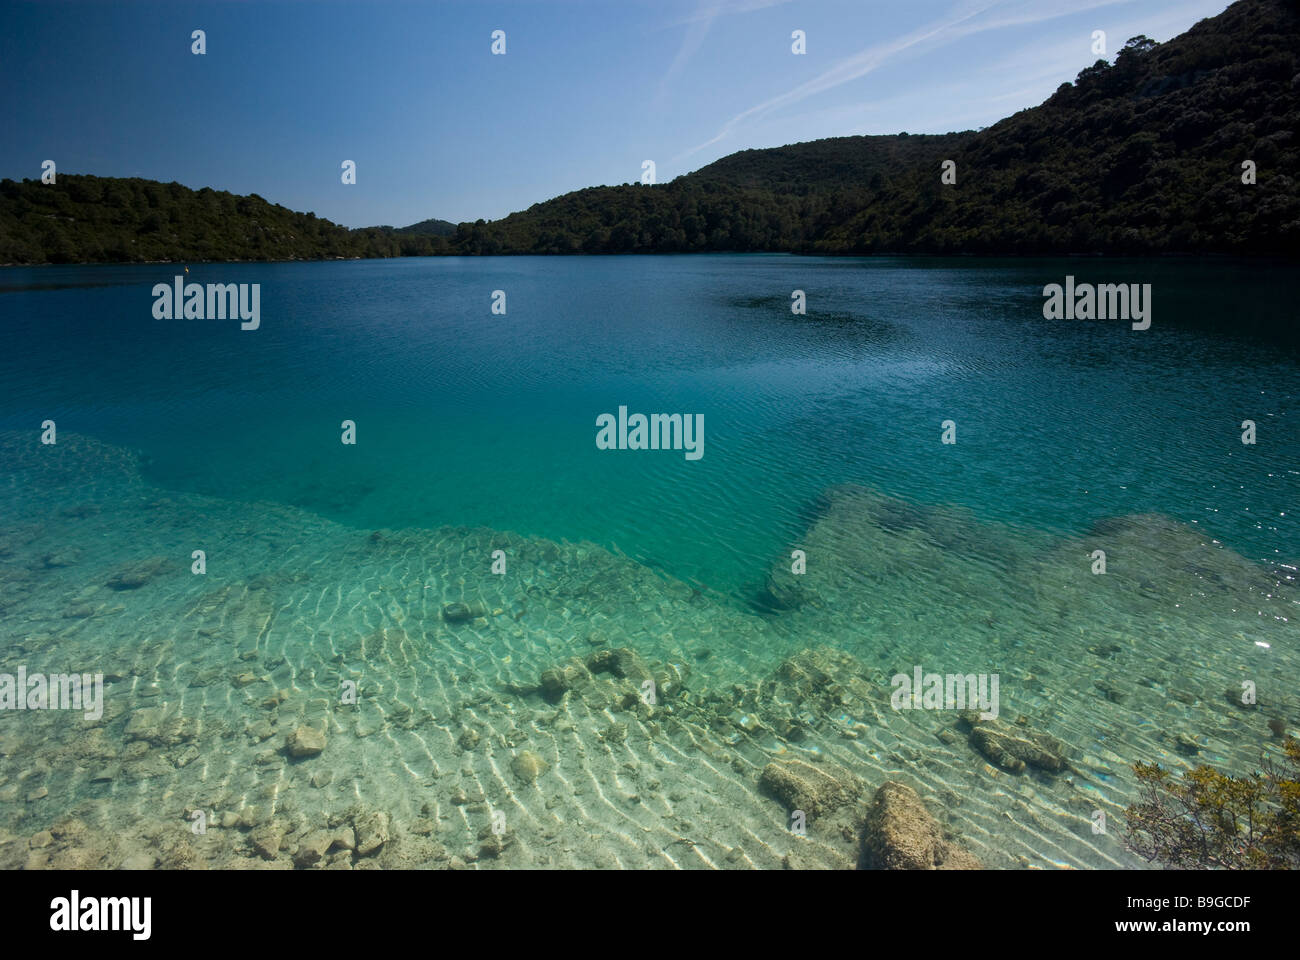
x=1184 y=147
x=434 y=228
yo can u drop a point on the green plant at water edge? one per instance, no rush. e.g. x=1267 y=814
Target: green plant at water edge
x=1207 y=819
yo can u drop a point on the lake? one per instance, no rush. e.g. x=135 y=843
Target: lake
x=372 y=563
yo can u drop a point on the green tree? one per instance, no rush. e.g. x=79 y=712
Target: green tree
x=1208 y=819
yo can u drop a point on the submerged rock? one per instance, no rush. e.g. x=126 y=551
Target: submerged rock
x=853 y=542
x=615 y=680
x=528 y=766
x=1014 y=748
x=305 y=742
x=825 y=682
x=458 y=612
x=371 y=832
x=134 y=575
x=65 y=557
x=268 y=839
x=1237 y=697
x=493 y=844
x=159 y=726
x=313 y=848
x=556 y=681
x=68 y=845
x=622 y=662
x=901 y=834
x=801 y=786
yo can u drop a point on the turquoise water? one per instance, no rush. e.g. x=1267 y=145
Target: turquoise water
x=476 y=432
x=469 y=418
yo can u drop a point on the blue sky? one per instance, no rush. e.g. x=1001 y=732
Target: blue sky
x=587 y=89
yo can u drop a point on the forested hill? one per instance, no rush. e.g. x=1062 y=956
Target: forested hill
x=775 y=199
x=1142 y=156
x=80 y=219
x=436 y=228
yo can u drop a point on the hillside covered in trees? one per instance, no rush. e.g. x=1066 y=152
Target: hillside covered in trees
x=431 y=227
x=1142 y=156
x=81 y=219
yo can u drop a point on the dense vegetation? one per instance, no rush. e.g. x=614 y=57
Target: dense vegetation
x=435 y=228
x=1208 y=820
x=1140 y=156
x=84 y=218
x=778 y=199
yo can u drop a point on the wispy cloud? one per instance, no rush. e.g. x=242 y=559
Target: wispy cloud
x=1038 y=62
x=1028 y=71
x=718 y=7
x=697 y=28
x=963 y=21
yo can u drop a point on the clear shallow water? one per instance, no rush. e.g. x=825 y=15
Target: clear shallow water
x=970 y=557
